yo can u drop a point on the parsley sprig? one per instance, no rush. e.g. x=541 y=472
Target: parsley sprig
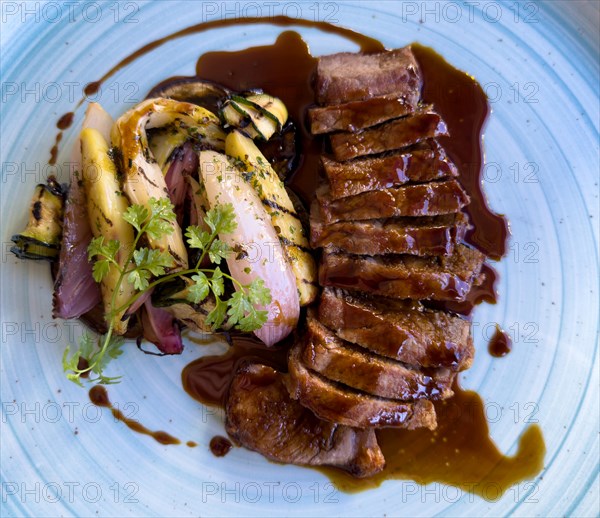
x=146 y=268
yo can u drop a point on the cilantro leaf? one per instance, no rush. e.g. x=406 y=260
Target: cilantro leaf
x=136 y=216
x=140 y=279
x=218 y=251
x=216 y=317
x=216 y=282
x=239 y=305
x=255 y=319
x=221 y=219
x=161 y=219
x=100 y=269
x=196 y=237
x=97 y=359
x=258 y=293
x=199 y=290
x=155 y=261
x=113 y=350
x=97 y=247
x=104 y=255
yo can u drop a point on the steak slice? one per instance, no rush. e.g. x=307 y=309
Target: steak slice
x=261 y=416
x=349 y=76
x=404 y=276
x=426 y=199
x=388 y=136
x=340 y=404
x=425 y=162
x=357 y=115
x=340 y=361
x=400 y=330
x=434 y=235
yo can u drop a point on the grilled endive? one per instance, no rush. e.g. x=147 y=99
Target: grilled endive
x=143 y=177
x=172 y=297
x=278 y=205
x=106 y=205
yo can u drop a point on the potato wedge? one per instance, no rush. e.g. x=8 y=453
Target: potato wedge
x=106 y=205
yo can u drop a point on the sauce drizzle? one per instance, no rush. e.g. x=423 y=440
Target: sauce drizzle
x=220 y=446
x=99 y=397
x=500 y=344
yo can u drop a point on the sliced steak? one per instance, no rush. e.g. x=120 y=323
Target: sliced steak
x=425 y=162
x=401 y=330
x=340 y=404
x=404 y=276
x=357 y=115
x=263 y=417
x=340 y=361
x=427 y=199
x=348 y=76
x=388 y=136
x=435 y=235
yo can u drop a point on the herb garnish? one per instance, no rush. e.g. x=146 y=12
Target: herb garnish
x=145 y=269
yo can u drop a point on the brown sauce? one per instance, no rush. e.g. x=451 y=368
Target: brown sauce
x=459 y=452
x=99 y=397
x=484 y=292
x=500 y=344
x=65 y=121
x=220 y=446
x=92 y=88
x=463 y=105
x=207 y=379
x=54 y=149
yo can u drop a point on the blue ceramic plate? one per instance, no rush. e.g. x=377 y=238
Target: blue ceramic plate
x=538 y=62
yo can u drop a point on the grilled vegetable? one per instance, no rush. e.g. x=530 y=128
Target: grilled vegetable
x=257 y=253
x=278 y=205
x=143 y=178
x=75 y=290
x=41 y=238
x=163 y=142
x=172 y=297
x=271 y=106
x=258 y=116
x=106 y=205
x=207 y=94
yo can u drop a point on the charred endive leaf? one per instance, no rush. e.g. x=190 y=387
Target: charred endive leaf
x=106 y=205
x=163 y=142
x=277 y=203
x=143 y=178
x=174 y=297
x=41 y=238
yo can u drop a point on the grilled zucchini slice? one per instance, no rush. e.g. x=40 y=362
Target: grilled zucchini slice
x=258 y=116
x=41 y=238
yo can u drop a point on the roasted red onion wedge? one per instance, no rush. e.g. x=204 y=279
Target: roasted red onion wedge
x=161 y=329
x=257 y=250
